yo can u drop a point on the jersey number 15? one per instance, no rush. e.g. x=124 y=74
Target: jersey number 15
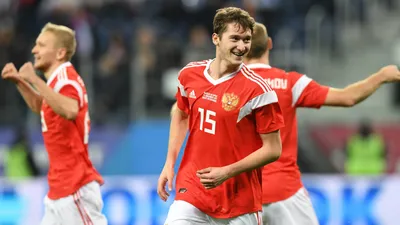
x=205 y=118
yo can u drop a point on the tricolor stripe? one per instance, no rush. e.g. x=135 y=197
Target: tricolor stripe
x=62 y=75
x=194 y=64
x=258 y=218
x=182 y=90
x=58 y=71
x=81 y=209
x=249 y=74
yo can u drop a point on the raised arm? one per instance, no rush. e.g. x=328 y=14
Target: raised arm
x=62 y=105
x=361 y=90
x=32 y=98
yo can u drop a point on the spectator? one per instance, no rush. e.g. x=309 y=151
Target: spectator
x=18 y=161
x=366 y=154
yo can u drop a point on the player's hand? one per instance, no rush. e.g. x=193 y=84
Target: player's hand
x=27 y=72
x=9 y=72
x=167 y=175
x=212 y=177
x=390 y=73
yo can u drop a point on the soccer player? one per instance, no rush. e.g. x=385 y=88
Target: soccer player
x=74 y=184
x=234 y=119
x=285 y=201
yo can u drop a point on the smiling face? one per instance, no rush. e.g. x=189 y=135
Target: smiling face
x=46 y=51
x=233 y=44
x=55 y=45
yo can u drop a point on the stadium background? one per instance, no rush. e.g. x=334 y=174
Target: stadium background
x=129 y=53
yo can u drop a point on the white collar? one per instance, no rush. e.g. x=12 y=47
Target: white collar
x=57 y=71
x=222 y=79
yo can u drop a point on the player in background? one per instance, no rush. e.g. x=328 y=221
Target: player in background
x=234 y=119
x=285 y=201
x=74 y=184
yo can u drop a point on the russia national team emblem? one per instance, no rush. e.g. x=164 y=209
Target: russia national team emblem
x=229 y=101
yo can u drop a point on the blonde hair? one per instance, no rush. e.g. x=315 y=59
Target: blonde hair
x=65 y=38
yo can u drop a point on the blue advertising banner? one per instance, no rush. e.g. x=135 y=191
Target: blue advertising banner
x=133 y=200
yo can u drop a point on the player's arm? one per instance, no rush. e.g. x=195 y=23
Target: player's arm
x=354 y=93
x=62 y=105
x=177 y=134
x=269 y=120
x=32 y=98
x=269 y=152
x=359 y=91
x=178 y=126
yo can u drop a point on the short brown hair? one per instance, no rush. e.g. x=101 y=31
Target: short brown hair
x=259 y=42
x=228 y=15
x=65 y=37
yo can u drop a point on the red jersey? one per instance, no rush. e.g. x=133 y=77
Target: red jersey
x=281 y=179
x=66 y=141
x=226 y=117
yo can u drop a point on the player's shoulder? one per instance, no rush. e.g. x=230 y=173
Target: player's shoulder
x=192 y=70
x=72 y=74
x=194 y=66
x=66 y=74
x=254 y=80
x=65 y=71
x=294 y=74
x=266 y=71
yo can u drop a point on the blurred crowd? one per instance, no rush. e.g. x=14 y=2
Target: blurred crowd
x=125 y=46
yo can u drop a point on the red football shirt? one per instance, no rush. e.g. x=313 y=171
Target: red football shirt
x=66 y=141
x=226 y=117
x=281 y=179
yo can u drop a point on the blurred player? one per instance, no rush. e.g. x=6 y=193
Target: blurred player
x=234 y=120
x=285 y=201
x=74 y=194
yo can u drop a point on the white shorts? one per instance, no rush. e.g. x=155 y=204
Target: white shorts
x=81 y=208
x=296 y=210
x=183 y=213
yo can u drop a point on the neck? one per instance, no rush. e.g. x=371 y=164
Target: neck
x=264 y=59
x=51 y=69
x=220 y=68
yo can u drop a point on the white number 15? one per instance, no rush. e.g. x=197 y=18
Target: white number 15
x=206 y=118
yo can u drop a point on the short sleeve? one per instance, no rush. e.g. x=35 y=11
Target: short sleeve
x=266 y=110
x=269 y=118
x=181 y=98
x=307 y=92
x=71 y=89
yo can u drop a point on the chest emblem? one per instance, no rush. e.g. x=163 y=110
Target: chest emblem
x=230 y=101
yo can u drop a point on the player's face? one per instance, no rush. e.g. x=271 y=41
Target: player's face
x=234 y=44
x=45 y=51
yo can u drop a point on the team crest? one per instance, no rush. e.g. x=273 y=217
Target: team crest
x=229 y=101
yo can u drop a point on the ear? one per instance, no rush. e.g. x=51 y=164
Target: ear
x=269 y=44
x=61 y=54
x=215 y=39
